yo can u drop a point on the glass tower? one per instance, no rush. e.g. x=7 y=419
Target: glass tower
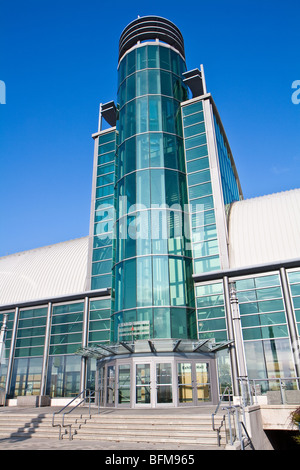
x=153 y=260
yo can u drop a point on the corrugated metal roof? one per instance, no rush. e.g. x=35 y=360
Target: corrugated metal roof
x=44 y=272
x=265 y=229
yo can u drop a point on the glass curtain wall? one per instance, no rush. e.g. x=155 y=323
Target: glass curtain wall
x=153 y=264
x=265 y=330
x=104 y=212
x=294 y=281
x=203 y=224
x=29 y=350
x=5 y=356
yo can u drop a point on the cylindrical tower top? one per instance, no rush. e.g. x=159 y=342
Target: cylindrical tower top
x=151 y=27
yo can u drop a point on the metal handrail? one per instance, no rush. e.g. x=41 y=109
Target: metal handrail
x=250 y=384
x=62 y=424
x=227 y=389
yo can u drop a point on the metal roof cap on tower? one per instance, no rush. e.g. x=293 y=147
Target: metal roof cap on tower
x=151 y=27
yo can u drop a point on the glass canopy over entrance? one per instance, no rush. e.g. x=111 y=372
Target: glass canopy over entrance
x=157 y=373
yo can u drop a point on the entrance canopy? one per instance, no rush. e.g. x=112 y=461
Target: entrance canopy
x=100 y=351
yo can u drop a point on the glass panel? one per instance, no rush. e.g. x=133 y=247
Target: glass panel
x=63 y=376
x=110 y=386
x=143 y=394
x=26 y=376
x=164 y=382
x=203 y=381
x=124 y=383
x=192 y=108
x=185 y=388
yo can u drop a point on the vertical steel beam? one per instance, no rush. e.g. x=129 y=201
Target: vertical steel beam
x=12 y=352
x=291 y=320
x=46 y=350
x=232 y=348
x=84 y=344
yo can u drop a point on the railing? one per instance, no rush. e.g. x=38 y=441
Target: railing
x=228 y=391
x=234 y=418
x=237 y=428
x=87 y=395
x=281 y=390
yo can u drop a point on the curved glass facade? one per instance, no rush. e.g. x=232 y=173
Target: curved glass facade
x=153 y=261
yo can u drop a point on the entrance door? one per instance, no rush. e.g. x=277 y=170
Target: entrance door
x=124 y=384
x=143 y=386
x=193 y=383
x=153 y=384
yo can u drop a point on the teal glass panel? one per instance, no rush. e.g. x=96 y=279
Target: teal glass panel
x=153 y=56
x=199 y=219
x=141 y=58
x=99 y=314
x=162 y=322
x=144 y=281
x=201 y=204
x=68 y=308
x=211 y=263
x=142 y=115
x=210 y=289
x=244 y=284
x=200 y=190
x=107 y=168
x=198 y=152
x=154 y=82
x=197 y=165
x=192 y=108
x=211 y=312
x=166 y=83
x=295 y=289
x=99 y=336
x=161 y=294
x=130 y=276
x=205 y=248
x=155 y=118
x=141 y=83
x=193 y=119
x=212 y=325
x=195 y=129
x=204 y=233
x=195 y=141
x=102 y=253
x=102 y=267
x=164 y=58
x=142 y=151
x=199 y=177
x=130 y=88
x=37 y=312
x=179 y=327
x=100 y=304
x=294 y=276
x=156 y=150
x=100 y=282
x=104 y=180
x=105 y=148
x=131 y=61
x=104 y=191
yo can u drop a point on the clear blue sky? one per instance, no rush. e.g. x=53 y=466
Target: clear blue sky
x=58 y=60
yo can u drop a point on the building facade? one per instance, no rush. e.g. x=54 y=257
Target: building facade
x=182 y=287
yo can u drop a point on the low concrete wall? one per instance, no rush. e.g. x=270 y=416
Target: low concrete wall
x=277 y=417
x=254 y=426
x=33 y=401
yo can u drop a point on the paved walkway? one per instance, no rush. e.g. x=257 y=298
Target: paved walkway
x=52 y=444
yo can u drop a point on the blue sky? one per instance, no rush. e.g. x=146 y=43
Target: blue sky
x=58 y=60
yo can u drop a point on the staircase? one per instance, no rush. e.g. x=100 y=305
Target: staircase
x=180 y=428
x=183 y=429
